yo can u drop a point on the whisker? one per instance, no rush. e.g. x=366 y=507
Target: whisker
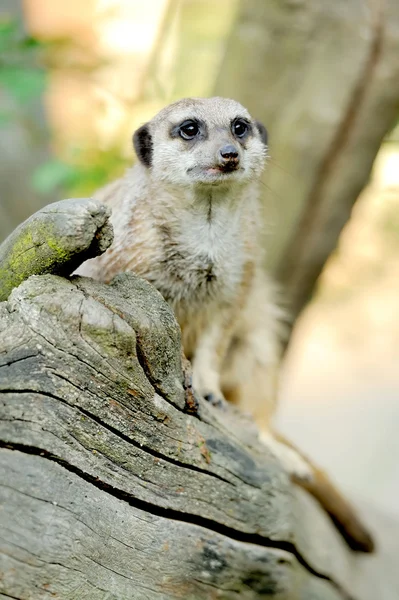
x=271 y=160
x=273 y=192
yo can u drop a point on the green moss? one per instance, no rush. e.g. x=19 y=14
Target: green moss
x=53 y=243
x=35 y=251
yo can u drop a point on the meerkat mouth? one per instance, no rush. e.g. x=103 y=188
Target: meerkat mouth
x=215 y=172
x=228 y=168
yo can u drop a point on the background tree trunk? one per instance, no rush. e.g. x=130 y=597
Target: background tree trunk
x=324 y=79
x=115 y=484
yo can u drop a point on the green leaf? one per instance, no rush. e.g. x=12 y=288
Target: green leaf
x=53 y=174
x=8 y=34
x=8 y=27
x=13 y=37
x=23 y=84
x=6 y=117
x=29 y=42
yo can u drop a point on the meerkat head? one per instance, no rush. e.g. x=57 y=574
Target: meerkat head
x=202 y=141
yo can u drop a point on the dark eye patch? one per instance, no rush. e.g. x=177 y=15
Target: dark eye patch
x=188 y=130
x=240 y=128
x=262 y=132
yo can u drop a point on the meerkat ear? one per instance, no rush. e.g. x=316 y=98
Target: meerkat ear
x=142 y=142
x=262 y=131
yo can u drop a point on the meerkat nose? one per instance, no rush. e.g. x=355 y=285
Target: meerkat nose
x=229 y=152
x=228 y=158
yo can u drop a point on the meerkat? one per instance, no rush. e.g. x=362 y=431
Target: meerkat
x=188 y=218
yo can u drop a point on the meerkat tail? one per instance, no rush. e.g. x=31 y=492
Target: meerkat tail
x=341 y=512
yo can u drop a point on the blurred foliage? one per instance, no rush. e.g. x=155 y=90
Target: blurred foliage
x=22 y=78
x=183 y=61
x=24 y=65
x=90 y=170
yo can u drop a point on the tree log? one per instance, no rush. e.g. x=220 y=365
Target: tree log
x=323 y=78
x=114 y=485
x=56 y=239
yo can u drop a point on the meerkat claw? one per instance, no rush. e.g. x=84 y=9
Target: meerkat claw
x=216 y=400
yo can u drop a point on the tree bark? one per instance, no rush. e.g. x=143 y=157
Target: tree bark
x=56 y=239
x=115 y=484
x=323 y=77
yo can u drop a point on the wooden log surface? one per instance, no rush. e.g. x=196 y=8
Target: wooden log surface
x=56 y=239
x=113 y=487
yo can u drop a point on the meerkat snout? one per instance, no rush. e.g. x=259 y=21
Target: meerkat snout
x=229 y=158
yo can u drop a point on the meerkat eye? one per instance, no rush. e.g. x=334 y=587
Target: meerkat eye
x=188 y=130
x=239 y=128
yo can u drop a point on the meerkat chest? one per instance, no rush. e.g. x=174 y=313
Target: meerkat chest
x=203 y=259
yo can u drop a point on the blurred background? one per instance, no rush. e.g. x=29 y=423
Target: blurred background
x=76 y=79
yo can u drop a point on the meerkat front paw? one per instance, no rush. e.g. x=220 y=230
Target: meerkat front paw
x=213 y=394
x=216 y=399
x=208 y=388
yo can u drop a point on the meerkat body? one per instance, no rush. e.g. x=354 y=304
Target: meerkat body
x=197 y=240
x=187 y=217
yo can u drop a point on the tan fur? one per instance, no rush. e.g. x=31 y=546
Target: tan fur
x=194 y=233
